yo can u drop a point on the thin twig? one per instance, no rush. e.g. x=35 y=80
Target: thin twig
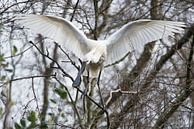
x=35 y=98
x=71 y=99
x=65 y=73
x=75 y=8
x=70 y=60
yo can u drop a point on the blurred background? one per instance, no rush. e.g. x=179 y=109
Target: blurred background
x=150 y=88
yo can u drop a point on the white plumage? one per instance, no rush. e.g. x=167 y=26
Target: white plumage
x=102 y=52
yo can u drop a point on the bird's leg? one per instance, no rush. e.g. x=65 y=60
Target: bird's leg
x=86 y=102
x=98 y=84
x=86 y=83
x=77 y=80
x=92 y=83
x=90 y=88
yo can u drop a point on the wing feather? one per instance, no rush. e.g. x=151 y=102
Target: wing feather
x=58 y=29
x=135 y=35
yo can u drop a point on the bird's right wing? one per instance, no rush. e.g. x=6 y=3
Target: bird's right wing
x=135 y=35
x=60 y=30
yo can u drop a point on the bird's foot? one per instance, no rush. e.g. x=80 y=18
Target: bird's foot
x=77 y=80
x=83 y=66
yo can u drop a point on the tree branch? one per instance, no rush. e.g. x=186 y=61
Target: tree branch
x=131 y=102
x=183 y=95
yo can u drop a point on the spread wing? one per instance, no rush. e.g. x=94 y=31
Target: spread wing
x=58 y=29
x=135 y=35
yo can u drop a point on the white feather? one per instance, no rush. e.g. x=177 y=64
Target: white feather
x=132 y=36
x=135 y=35
x=58 y=29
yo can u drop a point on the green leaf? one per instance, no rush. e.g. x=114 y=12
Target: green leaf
x=2 y=58
x=62 y=86
x=32 y=117
x=1 y=111
x=17 y=126
x=32 y=126
x=61 y=93
x=63 y=115
x=14 y=50
x=4 y=64
x=2 y=78
x=43 y=126
x=23 y=122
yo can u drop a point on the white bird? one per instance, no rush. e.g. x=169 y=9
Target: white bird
x=133 y=35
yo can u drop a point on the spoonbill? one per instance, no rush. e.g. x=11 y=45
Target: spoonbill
x=97 y=53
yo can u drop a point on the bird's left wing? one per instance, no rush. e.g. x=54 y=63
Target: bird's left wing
x=135 y=35
x=58 y=29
